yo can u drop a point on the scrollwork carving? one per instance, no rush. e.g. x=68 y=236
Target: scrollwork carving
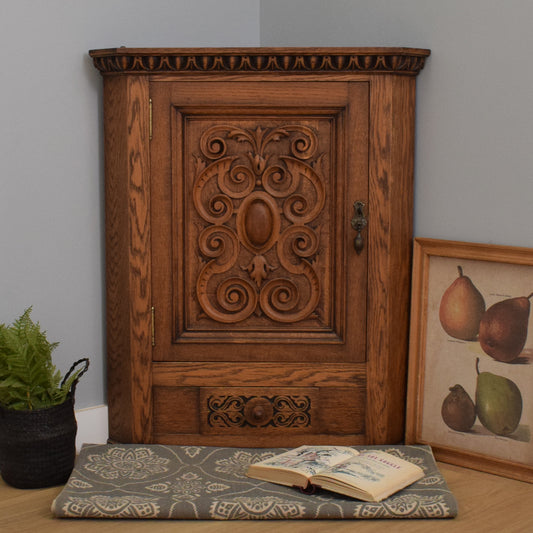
x=295 y=245
x=278 y=182
x=226 y=411
x=284 y=301
x=291 y=411
x=236 y=298
x=211 y=144
x=236 y=411
x=216 y=208
x=297 y=208
x=220 y=243
x=241 y=182
x=255 y=200
x=305 y=144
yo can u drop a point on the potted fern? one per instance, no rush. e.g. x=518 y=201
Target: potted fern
x=37 y=421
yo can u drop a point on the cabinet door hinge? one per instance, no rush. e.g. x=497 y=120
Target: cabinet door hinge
x=152 y=326
x=150 y=119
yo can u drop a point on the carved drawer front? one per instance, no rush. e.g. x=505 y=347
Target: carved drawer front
x=263 y=410
x=242 y=409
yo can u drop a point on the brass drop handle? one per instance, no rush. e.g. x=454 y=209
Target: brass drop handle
x=359 y=222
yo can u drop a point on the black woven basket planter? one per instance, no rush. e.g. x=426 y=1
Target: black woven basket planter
x=38 y=447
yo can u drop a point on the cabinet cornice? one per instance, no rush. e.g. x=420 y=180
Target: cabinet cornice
x=407 y=61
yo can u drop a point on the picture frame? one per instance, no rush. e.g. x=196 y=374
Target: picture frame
x=464 y=346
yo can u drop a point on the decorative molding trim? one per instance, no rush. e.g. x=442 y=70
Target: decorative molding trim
x=409 y=61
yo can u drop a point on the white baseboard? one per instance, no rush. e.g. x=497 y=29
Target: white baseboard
x=92 y=426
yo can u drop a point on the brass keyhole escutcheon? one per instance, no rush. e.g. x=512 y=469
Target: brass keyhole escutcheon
x=359 y=222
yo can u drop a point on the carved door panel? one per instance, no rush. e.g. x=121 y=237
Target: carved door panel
x=253 y=187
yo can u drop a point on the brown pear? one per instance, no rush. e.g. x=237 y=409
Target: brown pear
x=503 y=328
x=461 y=308
x=458 y=410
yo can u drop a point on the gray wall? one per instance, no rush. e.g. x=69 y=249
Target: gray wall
x=474 y=166
x=474 y=148
x=51 y=175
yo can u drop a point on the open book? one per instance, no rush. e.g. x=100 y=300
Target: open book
x=371 y=475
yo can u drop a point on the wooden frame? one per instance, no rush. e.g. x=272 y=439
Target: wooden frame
x=439 y=359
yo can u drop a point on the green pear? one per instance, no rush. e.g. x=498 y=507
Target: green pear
x=498 y=402
x=461 y=308
x=503 y=328
x=458 y=410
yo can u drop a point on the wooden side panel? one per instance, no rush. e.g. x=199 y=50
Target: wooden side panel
x=403 y=128
x=127 y=257
x=390 y=234
x=342 y=410
x=119 y=384
x=172 y=410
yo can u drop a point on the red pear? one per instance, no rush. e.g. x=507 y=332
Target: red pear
x=503 y=328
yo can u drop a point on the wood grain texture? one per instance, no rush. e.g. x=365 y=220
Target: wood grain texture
x=390 y=235
x=258 y=291
x=128 y=297
x=117 y=260
x=216 y=374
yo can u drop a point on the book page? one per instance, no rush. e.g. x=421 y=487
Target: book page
x=375 y=472
x=309 y=460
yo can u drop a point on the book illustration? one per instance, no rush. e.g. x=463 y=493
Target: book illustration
x=359 y=470
x=311 y=459
x=370 y=475
x=499 y=330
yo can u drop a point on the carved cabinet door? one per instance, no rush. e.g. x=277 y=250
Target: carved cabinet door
x=259 y=294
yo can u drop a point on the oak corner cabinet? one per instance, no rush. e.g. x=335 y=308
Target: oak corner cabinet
x=258 y=243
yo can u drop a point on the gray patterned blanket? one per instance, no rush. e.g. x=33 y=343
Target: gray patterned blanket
x=195 y=482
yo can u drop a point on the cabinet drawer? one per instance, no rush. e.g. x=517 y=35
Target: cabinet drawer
x=249 y=411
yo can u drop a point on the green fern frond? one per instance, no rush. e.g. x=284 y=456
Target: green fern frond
x=28 y=378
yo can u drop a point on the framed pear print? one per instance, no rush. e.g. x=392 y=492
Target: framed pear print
x=470 y=383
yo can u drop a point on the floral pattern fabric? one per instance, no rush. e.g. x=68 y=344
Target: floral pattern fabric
x=197 y=482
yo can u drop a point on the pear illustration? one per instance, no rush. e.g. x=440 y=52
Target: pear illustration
x=503 y=328
x=498 y=402
x=458 y=410
x=461 y=308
